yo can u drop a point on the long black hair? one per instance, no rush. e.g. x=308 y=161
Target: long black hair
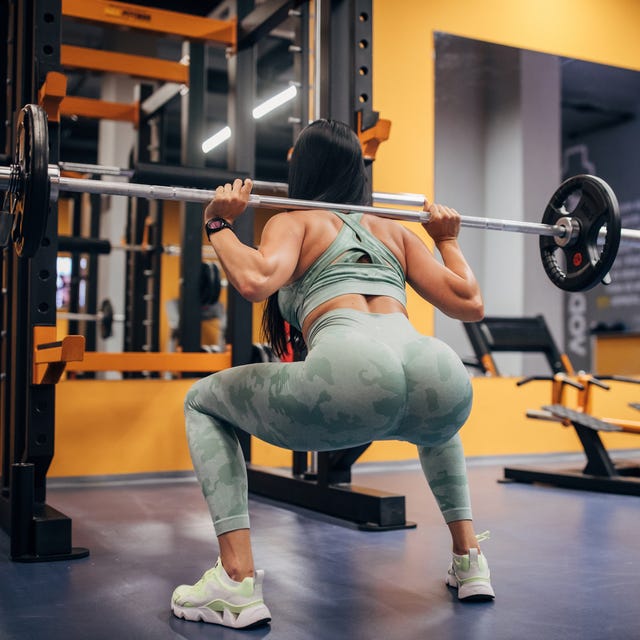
x=326 y=165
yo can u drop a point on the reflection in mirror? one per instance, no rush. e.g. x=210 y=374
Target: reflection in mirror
x=510 y=125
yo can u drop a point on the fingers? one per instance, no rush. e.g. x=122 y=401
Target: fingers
x=230 y=200
x=441 y=212
x=443 y=223
x=238 y=186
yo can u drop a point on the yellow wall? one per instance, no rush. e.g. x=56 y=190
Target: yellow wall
x=619 y=354
x=144 y=430
x=403 y=68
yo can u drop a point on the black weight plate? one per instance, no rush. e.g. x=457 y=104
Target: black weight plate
x=106 y=320
x=587 y=261
x=210 y=284
x=30 y=201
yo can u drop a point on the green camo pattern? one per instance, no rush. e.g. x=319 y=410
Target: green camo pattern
x=367 y=377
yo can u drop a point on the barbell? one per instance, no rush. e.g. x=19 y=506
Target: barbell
x=105 y=318
x=209 y=287
x=579 y=234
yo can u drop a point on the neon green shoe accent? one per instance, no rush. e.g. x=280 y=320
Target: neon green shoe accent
x=217 y=599
x=470 y=574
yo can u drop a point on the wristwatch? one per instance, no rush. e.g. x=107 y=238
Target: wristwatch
x=213 y=225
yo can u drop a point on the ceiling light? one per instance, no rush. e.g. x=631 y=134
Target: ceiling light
x=273 y=103
x=216 y=139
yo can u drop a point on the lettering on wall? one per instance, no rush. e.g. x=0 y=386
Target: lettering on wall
x=577 y=331
x=610 y=152
x=576 y=304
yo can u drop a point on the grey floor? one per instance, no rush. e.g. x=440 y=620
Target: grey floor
x=565 y=565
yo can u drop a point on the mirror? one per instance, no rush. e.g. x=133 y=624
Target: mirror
x=510 y=125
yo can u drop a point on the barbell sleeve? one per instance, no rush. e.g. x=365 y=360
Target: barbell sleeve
x=5 y=177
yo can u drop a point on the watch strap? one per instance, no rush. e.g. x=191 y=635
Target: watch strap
x=213 y=225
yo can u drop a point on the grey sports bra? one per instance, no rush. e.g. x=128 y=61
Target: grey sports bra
x=337 y=272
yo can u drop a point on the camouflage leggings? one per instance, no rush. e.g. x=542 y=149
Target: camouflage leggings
x=367 y=377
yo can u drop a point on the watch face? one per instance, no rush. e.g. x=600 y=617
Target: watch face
x=214 y=224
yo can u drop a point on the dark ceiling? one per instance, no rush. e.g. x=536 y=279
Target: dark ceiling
x=594 y=97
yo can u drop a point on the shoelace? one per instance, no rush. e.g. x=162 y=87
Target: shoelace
x=485 y=535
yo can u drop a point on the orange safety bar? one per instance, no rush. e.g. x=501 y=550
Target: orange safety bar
x=100 y=109
x=135 y=16
x=488 y=364
x=75 y=174
x=585 y=406
x=51 y=356
x=629 y=426
x=564 y=358
x=371 y=138
x=144 y=361
x=52 y=93
x=557 y=388
x=123 y=63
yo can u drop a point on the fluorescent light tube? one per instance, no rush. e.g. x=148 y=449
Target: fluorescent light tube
x=273 y=103
x=216 y=139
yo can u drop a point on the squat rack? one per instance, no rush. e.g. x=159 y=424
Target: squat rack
x=37 y=531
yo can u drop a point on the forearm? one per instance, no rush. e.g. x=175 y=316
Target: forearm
x=454 y=260
x=254 y=273
x=462 y=281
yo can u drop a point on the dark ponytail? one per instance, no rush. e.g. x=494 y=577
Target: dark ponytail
x=326 y=165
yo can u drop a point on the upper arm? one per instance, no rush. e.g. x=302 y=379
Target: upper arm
x=280 y=248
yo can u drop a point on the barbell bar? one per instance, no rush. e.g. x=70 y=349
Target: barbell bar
x=59 y=183
x=105 y=318
x=185 y=194
x=585 y=236
x=379 y=197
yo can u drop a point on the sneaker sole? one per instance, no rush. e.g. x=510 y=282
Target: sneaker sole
x=472 y=592
x=254 y=616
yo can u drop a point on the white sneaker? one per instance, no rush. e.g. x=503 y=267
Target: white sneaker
x=218 y=599
x=470 y=575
